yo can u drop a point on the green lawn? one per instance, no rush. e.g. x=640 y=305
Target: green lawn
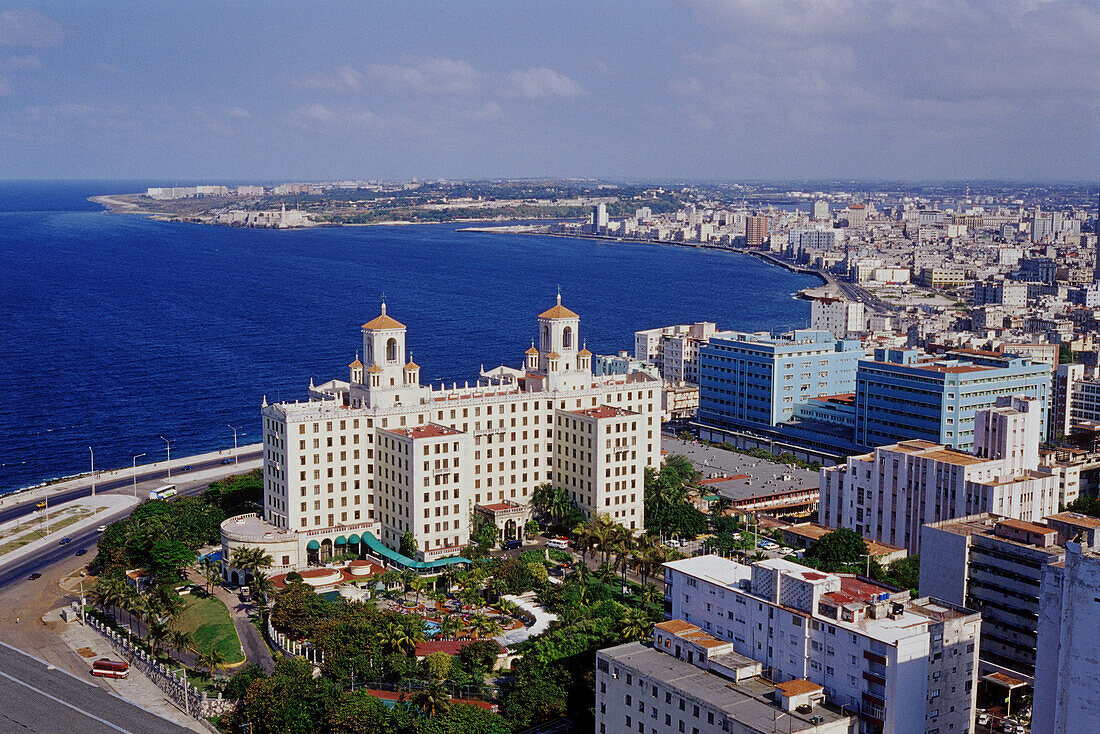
x=210 y=625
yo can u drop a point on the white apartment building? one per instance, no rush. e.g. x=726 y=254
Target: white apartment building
x=1067 y=668
x=368 y=459
x=685 y=680
x=903 y=666
x=888 y=495
x=674 y=349
x=840 y=317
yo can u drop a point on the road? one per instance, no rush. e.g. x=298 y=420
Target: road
x=42 y=699
x=105 y=485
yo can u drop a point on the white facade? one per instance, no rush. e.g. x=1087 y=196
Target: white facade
x=890 y=494
x=839 y=317
x=381 y=453
x=1067 y=668
x=674 y=349
x=904 y=666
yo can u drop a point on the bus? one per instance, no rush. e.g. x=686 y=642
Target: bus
x=107 y=668
x=163 y=493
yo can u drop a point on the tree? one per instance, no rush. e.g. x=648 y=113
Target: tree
x=263 y=586
x=434 y=699
x=250 y=559
x=449 y=626
x=841 y=549
x=180 y=641
x=437 y=665
x=211 y=571
x=635 y=625
x=408 y=546
x=168 y=556
x=156 y=634
x=397 y=639
x=212 y=659
x=905 y=573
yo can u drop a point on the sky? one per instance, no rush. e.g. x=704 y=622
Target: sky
x=618 y=90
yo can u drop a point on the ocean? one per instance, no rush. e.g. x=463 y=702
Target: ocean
x=118 y=329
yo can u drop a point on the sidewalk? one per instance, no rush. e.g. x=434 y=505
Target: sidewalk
x=137 y=688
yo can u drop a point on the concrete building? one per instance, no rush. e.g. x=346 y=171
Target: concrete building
x=379 y=454
x=992 y=565
x=1008 y=293
x=685 y=680
x=599 y=218
x=906 y=394
x=841 y=318
x=756 y=231
x=888 y=495
x=1067 y=669
x=801 y=240
x=674 y=349
x=756 y=380
x=942 y=278
x=821 y=210
x=902 y=665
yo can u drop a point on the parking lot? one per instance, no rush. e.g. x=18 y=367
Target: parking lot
x=763 y=475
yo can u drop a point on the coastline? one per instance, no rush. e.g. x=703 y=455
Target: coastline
x=765 y=256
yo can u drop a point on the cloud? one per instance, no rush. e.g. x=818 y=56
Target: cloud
x=541 y=83
x=30 y=61
x=430 y=76
x=28 y=28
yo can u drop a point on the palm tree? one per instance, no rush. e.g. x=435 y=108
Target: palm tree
x=212 y=659
x=179 y=640
x=416 y=585
x=407 y=580
x=651 y=594
x=635 y=625
x=584 y=537
x=157 y=633
x=109 y=593
x=434 y=699
x=250 y=560
x=396 y=638
x=604 y=534
x=263 y=586
x=485 y=626
x=210 y=570
x=133 y=603
x=449 y=626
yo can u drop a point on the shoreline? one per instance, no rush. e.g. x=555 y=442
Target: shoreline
x=765 y=256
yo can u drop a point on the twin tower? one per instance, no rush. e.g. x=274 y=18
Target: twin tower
x=386 y=378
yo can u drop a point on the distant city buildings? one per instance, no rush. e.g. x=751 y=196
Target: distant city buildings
x=842 y=318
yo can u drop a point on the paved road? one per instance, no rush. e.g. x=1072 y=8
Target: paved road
x=106 y=485
x=39 y=699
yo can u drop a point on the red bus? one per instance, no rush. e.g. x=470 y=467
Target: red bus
x=110 y=668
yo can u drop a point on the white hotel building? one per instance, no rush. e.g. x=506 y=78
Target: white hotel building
x=901 y=666
x=368 y=459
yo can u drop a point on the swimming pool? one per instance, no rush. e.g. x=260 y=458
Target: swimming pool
x=431 y=629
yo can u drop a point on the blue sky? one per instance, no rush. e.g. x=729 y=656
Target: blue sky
x=703 y=89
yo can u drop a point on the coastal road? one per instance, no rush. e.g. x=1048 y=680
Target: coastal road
x=42 y=699
x=106 y=485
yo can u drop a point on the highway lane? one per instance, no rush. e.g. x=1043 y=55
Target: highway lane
x=41 y=699
x=106 y=485
x=41 y=561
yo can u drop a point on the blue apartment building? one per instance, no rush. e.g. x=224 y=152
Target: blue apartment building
x=906 y=394
x=755 y=381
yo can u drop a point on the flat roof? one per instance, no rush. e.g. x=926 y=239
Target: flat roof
x=749 y=701
x=1076 y=519
x=603 y=411
x=936 y=452
x=429 y=430
x=815 y=531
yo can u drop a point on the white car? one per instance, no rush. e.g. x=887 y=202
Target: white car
x=786 y=551
x=983 y=718
x=557 y=543
x=101 y=529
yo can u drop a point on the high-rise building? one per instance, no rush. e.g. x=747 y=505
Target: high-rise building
x=756 y=230
x=840 y=317
x=906 y=394
x=599 y=218
x=674 y=349
x=903 y=665
x=821 y=209
x=888 y=495
x=994 y=565
x=1096 y=230
x=379 y=455
x=1067 y=669
x=757 y=380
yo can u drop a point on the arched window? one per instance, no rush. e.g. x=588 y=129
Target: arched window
x=370 y=351
x=391 y=350
x=567 y=338
x=545 y=337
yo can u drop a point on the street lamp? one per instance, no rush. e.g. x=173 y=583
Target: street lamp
x=135 y=473
x=168 y=448
x=93 y=469
x=235 y=459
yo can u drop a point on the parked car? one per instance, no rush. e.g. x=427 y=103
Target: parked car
x=786 y=551
x=983 y=718
x=1008 y=726
x=34 y=576
x=512 y=544
x=557 y=543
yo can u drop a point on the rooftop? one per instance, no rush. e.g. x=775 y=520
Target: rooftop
x=604 y=411
x=429 y=430
x=936 y=452
x=749 y=701
x=1077 y=519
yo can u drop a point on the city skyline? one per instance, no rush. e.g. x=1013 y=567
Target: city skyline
x=701 y=91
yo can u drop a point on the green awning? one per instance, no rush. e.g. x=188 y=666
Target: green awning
x=341 y=540
x=353 y=540
x=393 y=556
x=313 y=545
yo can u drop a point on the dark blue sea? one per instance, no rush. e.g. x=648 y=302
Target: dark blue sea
x=117 y=329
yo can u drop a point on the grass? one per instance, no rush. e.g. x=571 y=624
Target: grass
x=209 y=623
x=34 y=535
